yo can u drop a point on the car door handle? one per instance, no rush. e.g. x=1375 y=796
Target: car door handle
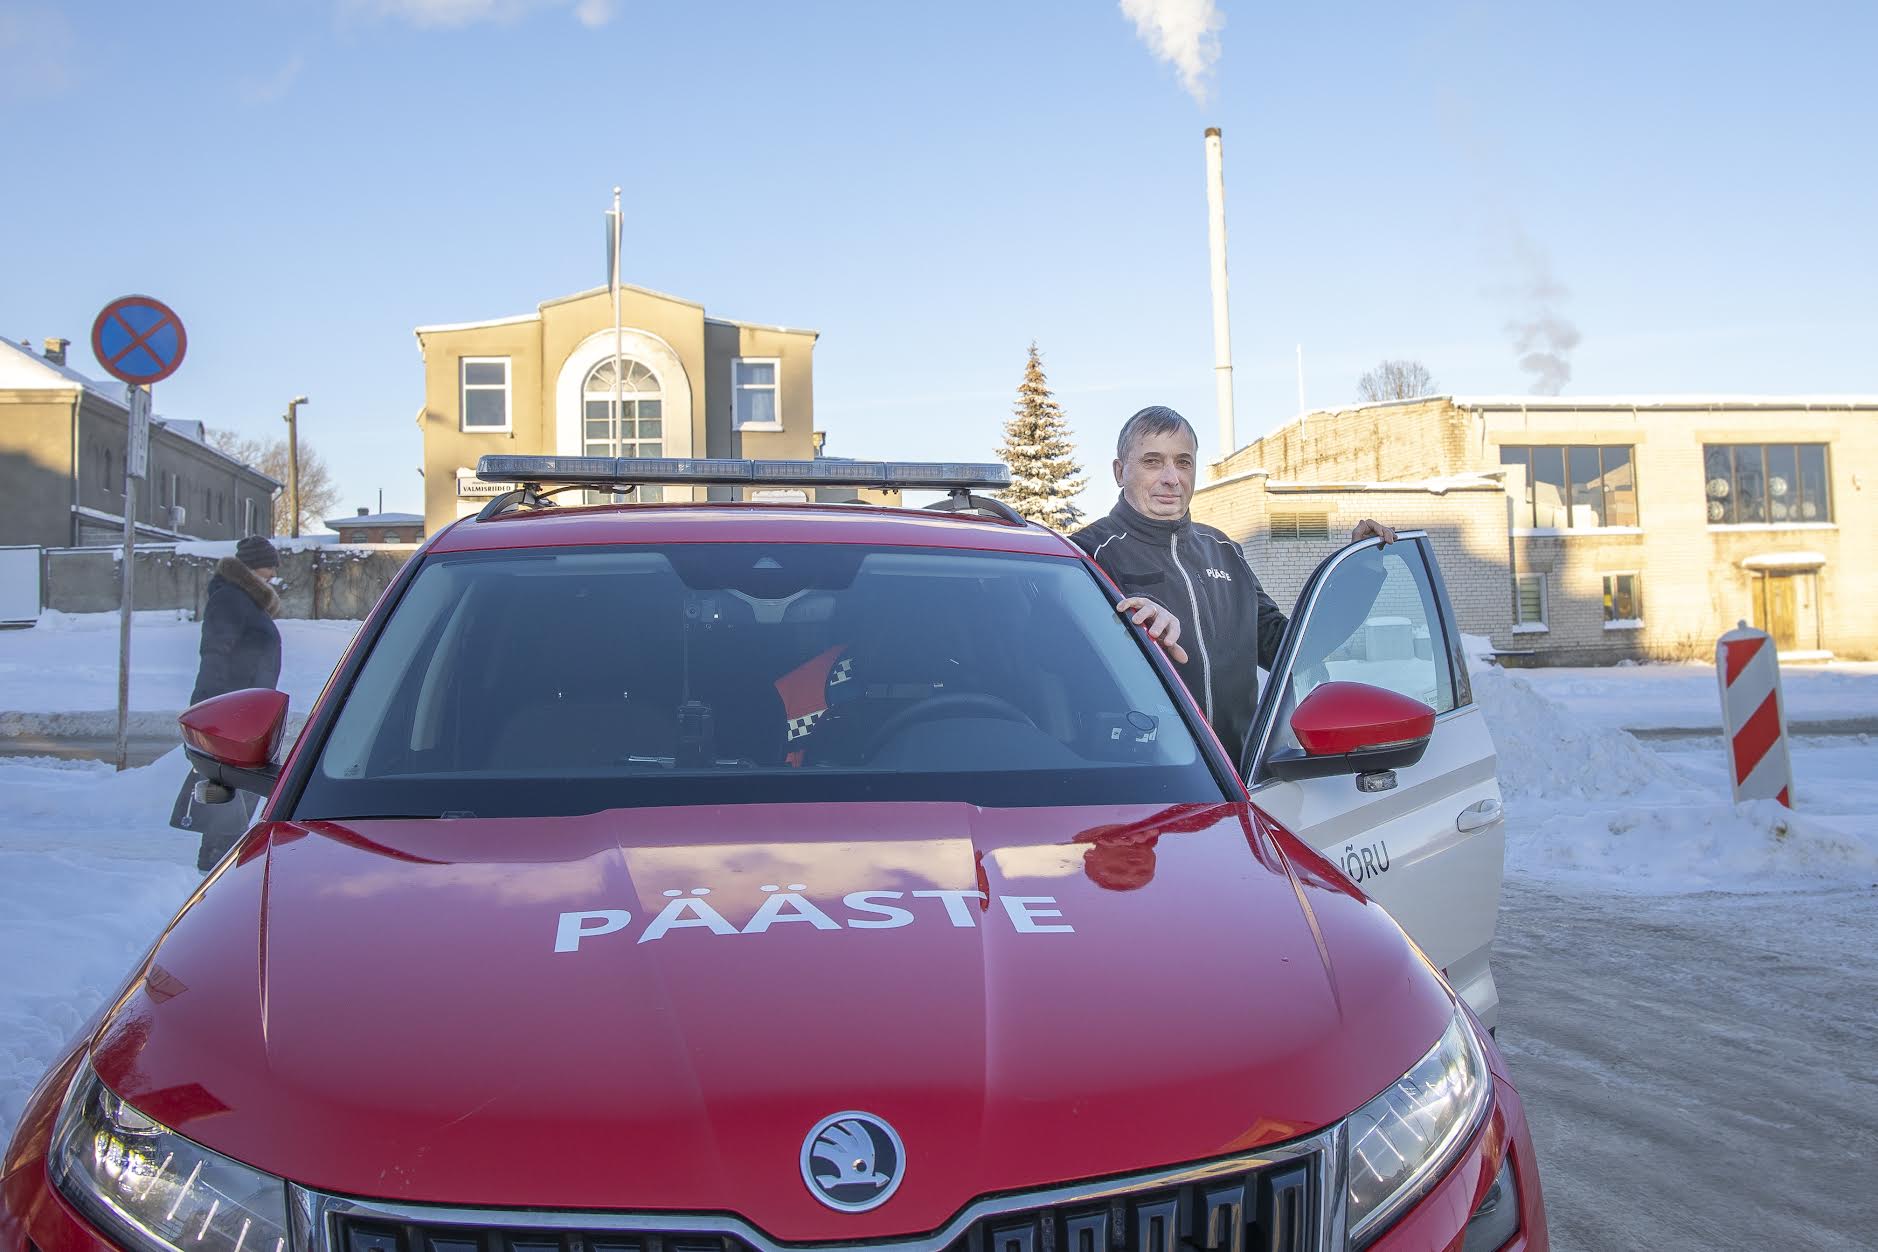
x=1479 y=816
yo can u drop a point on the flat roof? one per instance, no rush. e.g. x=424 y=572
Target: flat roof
x=376 y=519
x=748 y=523
x=1563 y=403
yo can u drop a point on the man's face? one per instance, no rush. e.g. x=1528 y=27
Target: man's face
x=1157 y=475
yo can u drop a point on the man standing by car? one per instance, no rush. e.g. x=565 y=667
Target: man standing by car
x=240 y=649
x=1184 y=581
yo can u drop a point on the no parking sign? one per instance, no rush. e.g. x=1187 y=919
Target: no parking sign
x=139 y=340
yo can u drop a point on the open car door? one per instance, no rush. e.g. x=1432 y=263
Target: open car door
x=1369 y=747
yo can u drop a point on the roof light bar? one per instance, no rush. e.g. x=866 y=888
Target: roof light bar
x=719 y=471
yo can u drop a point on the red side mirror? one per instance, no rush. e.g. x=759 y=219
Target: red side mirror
x=1343 y=717
x=241 y=729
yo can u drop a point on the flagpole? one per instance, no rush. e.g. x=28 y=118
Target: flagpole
x=619 y=380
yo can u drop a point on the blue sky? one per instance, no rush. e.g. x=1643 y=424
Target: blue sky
x=933 y=186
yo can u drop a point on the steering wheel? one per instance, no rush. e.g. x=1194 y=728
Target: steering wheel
x=950 y=704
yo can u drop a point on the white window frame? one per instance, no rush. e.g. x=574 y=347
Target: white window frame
x=737 y=388
x=464 y=387
x=1636 y=595
x=1543 y=625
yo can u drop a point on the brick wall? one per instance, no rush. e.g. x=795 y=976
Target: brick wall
x=1467 y=526
x=1400 y=441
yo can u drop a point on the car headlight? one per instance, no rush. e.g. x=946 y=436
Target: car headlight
x=1401 y=1141
x=154 y=1190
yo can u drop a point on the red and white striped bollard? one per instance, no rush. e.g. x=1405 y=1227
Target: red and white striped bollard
x=1754 y=716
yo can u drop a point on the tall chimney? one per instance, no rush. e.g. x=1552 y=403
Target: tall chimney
x=55 y=350
x=1222 y=320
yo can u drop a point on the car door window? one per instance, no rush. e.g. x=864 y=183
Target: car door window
x=1372 y=618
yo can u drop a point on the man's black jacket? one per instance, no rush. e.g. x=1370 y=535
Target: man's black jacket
x=1228 y=625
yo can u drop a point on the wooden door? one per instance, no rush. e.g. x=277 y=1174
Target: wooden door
x=1776 y=610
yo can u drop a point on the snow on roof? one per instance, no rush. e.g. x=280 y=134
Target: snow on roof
x=517 y=320
x=377 y=519
x=1692 y=400
x=1434 y=486
x=785 y=330
x=1784 y=560
x=1697 y=400
x=536 y=315
x=22 y=369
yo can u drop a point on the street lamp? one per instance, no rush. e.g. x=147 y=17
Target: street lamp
x=293 y=463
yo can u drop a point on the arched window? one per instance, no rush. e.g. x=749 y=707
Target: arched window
x=636 y=429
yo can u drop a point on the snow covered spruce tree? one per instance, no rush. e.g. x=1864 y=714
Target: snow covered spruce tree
x=1044 y=475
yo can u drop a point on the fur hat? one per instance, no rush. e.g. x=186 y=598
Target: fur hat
x=257 y=553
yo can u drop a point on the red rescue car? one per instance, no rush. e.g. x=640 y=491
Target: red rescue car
x=745 y=877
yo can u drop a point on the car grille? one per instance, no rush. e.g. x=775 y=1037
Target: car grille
x=1271 y=1208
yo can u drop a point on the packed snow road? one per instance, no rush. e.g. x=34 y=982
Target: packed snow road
x=1698 y=1071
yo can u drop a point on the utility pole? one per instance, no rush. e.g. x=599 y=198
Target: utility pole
x=293 y=464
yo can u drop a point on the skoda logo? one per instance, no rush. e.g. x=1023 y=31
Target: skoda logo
x=853 y=1162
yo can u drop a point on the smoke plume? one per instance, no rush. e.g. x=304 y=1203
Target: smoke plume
x=1184 y=33
x=1542 y=336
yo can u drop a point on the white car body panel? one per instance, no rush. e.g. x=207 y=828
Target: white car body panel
x=1431 y=848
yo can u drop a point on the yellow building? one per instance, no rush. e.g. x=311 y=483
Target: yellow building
x=543 y=383
x=1579 y=530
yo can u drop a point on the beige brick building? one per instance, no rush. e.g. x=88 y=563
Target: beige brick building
x=543 y=384
x=1587 y=530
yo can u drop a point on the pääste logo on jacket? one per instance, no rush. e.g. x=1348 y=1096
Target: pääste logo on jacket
x=1219 y=573
x=853 y=1161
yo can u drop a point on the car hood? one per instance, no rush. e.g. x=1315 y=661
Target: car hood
x=651 y=1008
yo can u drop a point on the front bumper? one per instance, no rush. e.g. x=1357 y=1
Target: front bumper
x=33 y=1214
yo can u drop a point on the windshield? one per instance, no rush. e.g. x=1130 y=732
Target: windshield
x=574 y=680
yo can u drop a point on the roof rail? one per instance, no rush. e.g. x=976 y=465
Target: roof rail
x=608 y=471
x=959 y=500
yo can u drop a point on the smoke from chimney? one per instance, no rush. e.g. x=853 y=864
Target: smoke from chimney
x=1184 y=33
x=1542 y=336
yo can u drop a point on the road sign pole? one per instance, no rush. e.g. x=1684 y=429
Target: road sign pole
x=136 y=462
x=140 y=342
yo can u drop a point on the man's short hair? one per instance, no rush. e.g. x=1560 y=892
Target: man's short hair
x=1156 y=419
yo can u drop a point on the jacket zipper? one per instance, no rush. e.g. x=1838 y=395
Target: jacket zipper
x=1199 y=631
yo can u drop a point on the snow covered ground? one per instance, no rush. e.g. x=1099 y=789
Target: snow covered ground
x=60 y=676
x=89 y=871
x=1687 y=696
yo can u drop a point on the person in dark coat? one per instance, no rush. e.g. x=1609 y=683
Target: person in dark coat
x=240 y=643
x=240 y=649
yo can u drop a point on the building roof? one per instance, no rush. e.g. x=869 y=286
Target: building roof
x=1702 y=401
x=1696 y=401
x=519 y=318
x=377 y=519
x=22 y=369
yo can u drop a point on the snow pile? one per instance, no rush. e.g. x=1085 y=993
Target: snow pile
x=89 y=874
x=1547 y=755
x=1695 y=846
x=1584 y=799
